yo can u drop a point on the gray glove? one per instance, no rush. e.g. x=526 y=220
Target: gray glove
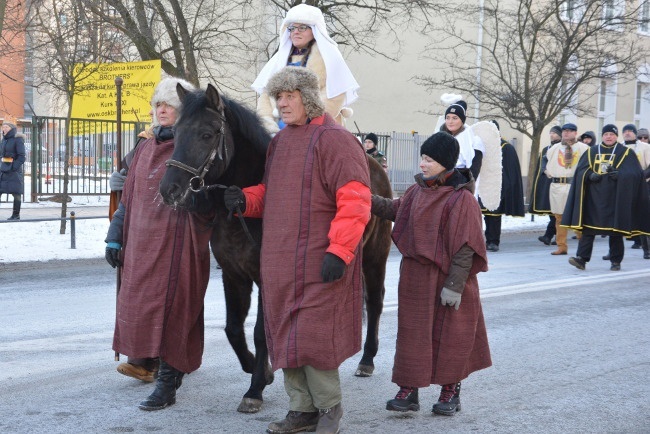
x=116 y=181
x=450 y=297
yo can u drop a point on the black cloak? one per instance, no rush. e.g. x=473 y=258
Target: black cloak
x=616 y=204
x=512 y=190
x=540 y=203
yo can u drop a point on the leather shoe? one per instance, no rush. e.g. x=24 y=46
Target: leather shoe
x=559 y=252
x=406 y=400
x=492 y=247
x=136 y=371
x=296 y=421
x=607 y=257
x=636 y=245
x=615 y=266
x=578 y=262
x=646 y=255
x=544 y=239
x=329 y=420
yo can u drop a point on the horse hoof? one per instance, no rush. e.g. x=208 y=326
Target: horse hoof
x=249 y=405
x=364 y=371
x=270 y=376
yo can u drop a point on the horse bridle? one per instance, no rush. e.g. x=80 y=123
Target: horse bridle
x=197 y=183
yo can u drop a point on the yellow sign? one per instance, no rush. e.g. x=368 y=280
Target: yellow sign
x=95 y=92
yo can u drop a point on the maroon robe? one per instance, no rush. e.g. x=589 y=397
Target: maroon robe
x=437 y=344
x=307 y=321
x=166 y=269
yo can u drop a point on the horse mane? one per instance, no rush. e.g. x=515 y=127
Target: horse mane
x=245 y=124
x=248 y=124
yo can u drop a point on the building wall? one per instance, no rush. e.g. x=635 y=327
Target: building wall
x=12 y=66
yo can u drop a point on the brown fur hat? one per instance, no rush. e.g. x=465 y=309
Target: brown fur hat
x=292 y=78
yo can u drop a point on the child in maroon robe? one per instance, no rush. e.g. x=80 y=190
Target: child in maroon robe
x=438 y=230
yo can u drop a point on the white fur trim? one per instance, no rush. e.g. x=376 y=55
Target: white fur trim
x=450 y=98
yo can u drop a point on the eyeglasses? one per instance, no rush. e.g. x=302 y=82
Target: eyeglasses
x=299 y=29
x=644 y=137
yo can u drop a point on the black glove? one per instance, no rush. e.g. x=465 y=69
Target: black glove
x=112 y=254
x=232 y=197
x=333 y=268
x=613 y=175
x=594 y=177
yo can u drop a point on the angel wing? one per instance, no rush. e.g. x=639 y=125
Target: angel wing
x=488 y=185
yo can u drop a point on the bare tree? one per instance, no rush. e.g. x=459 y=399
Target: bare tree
x=67 y=46
x=537 y=59
x=185 y=35
x=356 y=23
x=208 y=39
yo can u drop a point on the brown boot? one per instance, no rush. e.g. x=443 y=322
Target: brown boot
x=296 y=421
x=559 y=252
x=329 y=419
x=136 y=371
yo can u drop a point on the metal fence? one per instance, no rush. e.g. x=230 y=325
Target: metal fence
x=93 y=157
x=91 y=149
x=402 y=150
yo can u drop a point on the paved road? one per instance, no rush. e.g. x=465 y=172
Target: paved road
x=571 y=353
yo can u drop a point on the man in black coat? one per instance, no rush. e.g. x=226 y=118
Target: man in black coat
x=608 y=196
x=540 y=203
x=12 y=154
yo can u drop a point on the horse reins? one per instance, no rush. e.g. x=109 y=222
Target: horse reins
x=197 y=183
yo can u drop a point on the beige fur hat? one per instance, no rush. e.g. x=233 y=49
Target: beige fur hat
x=166 y=92
x=293 y=78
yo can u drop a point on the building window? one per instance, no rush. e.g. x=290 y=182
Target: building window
x=572 y=10
x=612 y=11
x=644 y=16
x=606 y=103
x=642 y=104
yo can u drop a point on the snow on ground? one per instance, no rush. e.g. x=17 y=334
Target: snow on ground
x=41 y=241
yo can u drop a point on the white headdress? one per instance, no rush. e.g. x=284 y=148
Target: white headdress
x=339 y=77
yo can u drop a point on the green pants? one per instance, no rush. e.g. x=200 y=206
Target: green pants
x=311 y=389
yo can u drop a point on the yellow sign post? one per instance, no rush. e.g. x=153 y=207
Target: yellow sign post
x=95 y=97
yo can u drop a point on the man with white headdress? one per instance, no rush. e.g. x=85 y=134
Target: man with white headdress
x=304 y=41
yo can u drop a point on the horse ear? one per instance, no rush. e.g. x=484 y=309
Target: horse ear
x=214 y=98
x=181 y=91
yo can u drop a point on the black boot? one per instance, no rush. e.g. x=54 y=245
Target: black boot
x=449 y=401
x=169 y=379
x=405 y=400
x=16 y=212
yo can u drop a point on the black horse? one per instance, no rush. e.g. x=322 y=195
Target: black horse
x=218 y=143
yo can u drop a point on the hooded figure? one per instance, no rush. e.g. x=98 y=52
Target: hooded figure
x=12 y=154
x=312 y=48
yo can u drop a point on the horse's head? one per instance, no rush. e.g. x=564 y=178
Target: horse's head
x=203 y=149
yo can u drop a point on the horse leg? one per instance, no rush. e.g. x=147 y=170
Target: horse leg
x=374 y=273
x=262 y=375
x=237 y=292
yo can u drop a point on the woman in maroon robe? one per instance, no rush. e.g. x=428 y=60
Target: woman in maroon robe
x=438 y=230
x=165 y=258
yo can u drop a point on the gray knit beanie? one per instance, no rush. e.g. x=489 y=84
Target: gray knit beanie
x=292 y=78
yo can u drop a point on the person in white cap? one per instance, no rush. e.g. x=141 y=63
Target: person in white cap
x=304 y=41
